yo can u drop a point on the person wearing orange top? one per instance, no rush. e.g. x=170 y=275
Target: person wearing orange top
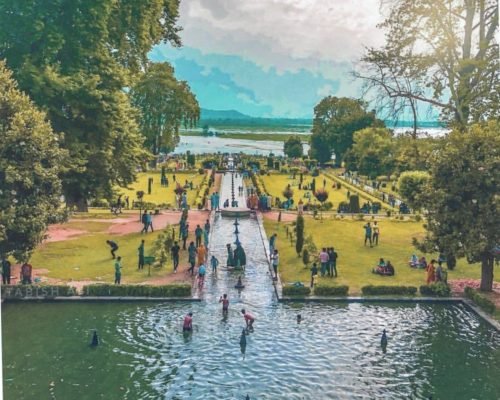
x=431 y=272
x=202 y=254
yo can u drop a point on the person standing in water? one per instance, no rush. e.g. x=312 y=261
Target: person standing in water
x=187 y=326
x=225 y=303
x=249 y=318
x=214 y=262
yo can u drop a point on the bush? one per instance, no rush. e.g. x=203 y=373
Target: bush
x=435 y=289
x=315 y=172
x=179 y=290
x=292 y=290
x=372 y=290
x=201 y=171
x=481 y=302
x=321 y=290
x=27 y=291
x=99 y=203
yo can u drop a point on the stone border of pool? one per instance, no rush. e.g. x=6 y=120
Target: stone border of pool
x=456 y=300
x=278 y=287
x=103 y=298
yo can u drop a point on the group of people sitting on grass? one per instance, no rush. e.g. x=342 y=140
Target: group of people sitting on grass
x=384 y=268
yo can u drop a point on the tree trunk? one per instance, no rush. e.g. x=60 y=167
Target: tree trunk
x=78 y=202
x=486 y=272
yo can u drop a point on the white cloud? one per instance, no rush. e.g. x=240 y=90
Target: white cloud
x=285 y=34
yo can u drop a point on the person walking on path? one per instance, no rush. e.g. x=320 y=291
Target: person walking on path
x=202 y=254
x=368 y=233
x=118 y=270
x=272 y=243
x=275 y=260
x=207 y=226
x=314 y=274
x=175 y=256
x=323 y=259
x=150 y=222
x=192 y=257
x=144 y=220
x=198 y=233
x=214 y=262
x=376 y=233
x=141 y=255
x=113 y=246
x=185 y=234
x=6 y=271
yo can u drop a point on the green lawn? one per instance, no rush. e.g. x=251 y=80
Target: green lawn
x=159 y=194
x=88 y=257
x=356 y=261
x=276 y=183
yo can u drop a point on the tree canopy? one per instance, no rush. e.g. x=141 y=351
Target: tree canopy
x=335 y=121
x=30 y=164
x=372 y=153
x=75 y=58
x=165 y=105
x=293 y=147
x=442 y=53
x=462 y=198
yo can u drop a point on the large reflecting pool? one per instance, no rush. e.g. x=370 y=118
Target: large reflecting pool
x=443 y=351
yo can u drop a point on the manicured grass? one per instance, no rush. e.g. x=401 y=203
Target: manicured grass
x=356 y=261
x=88 y=257
x=276 y=183
x=159 y=194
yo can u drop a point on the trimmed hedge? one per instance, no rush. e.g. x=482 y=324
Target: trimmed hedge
x=181 y=290
x=435 y=289
x=46 y=291
x=482 y=302
x=341 y=290
x=291 y=290
x=372 y=290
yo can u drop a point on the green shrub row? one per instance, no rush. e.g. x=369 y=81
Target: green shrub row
x=27 y=291
x=291 y=290
x=435 y=289
x=179 y=290
x=481 y=301
x=341 y=290
x=372 y=290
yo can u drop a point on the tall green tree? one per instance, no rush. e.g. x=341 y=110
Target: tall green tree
x=165 y=104
x=463 y=200
x=299 y=230
x=372 y=153
x=441 y=53
x=293 y=147
x=412 y=185
x=335 y=121
x=30 y=164
x=75 y=58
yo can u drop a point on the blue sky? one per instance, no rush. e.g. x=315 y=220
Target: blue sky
x=271 y=58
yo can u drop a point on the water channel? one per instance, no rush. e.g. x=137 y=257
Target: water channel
x=434 y=350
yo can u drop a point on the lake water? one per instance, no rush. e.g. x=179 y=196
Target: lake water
x=214 y=144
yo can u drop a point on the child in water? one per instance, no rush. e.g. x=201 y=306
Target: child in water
x=225 y=303
x=249 y=319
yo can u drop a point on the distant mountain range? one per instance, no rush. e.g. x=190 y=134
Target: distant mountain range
x=233 y=117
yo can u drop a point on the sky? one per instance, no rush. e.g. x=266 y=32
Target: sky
x=272 y=58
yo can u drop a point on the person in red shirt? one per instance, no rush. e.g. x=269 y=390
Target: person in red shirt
x=187 y=326
x=249 y=319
